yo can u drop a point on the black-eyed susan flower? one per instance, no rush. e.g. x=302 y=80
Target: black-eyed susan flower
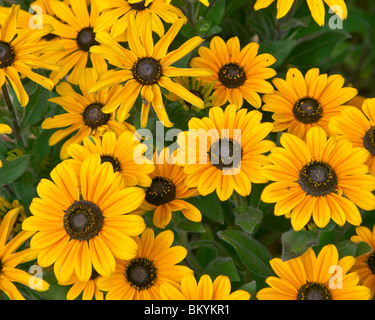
x=365 y=264
x=146 y=68
x=197 y=87
x=224 y=151
x=156 y=263
x=118 y=13
x=75 y=27
x=311 y=277
x=316 y=7
x=318 y=178
x=6 y=206
x=19 y=55
x=120 y=152
x=87 y=290
x=300 y=103
x=205 y=289
x=84 y=224
x=358 y=126
x=10 y=258
x=84 y=112
x=167 y=192
x=4 y=129
x=239 y=74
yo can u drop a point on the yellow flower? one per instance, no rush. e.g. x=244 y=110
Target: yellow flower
x=155 y=263
x=205 y=2
x=84 y=224
x=304 y=102
x=224 y=151
x=167 y=192
x=311 y=277
x=358 y=126
x=120 y=152
x=365 y=264
x=146 y=68
x=316 y=7
x=4 y=129
x=319 y=179
x=238 y=73
x=19 y=51
x=84 y=112
x=10 y=259
x=75 y=28
x=89 y=289
x=195 y=86
x=118 y=12
x=205 y=289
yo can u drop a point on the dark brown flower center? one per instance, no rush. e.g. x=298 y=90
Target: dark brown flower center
x=371 y=262
x=225 y=153
x=317 y=178
x=83 y=220
x=314 y=291
x=141 y=273
x=94 y=117
x=196 y=93
x=147 y=71
x=7 y=55
x=113 y=161
x=232 y=75
x=161 y=191
x=139 y=6
x=307 y=110
x=86 y=39
x=369 y=140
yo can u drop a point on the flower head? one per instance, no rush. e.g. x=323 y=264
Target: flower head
x=146 y=68
x=316 y=7
x=311 y=277
x=10 y=258
x=81 y=225
x=85 y=112
x=140 y=278
x=300 y=103
x=239 y=74
x=205 y=289
x=365 y=264
x=19 y=54
x=167 y=192
x=224 y=151
x=358 y=126
x=318 y=178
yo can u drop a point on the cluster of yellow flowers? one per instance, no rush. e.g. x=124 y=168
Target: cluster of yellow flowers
x=88 y=219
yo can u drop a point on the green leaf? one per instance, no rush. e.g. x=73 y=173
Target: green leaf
x=296 y=243
x=216 y=12
x=209 y=206
x=315 y=49
x=12 y=170
x=279 y=49
x=222 y=266
x=251 y=252
x=250 y=287
x=350 y=248
x=248 y=218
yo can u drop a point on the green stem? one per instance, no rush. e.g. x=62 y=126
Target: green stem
x=15 y=126
x=190 y=11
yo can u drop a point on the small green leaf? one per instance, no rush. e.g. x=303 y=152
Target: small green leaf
x=209 y=206
x=350 y=248
x=296 y=243
x=222 y=266
x=12 y=170
x=251 y=252
x=216 y=12
x=248 y=218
